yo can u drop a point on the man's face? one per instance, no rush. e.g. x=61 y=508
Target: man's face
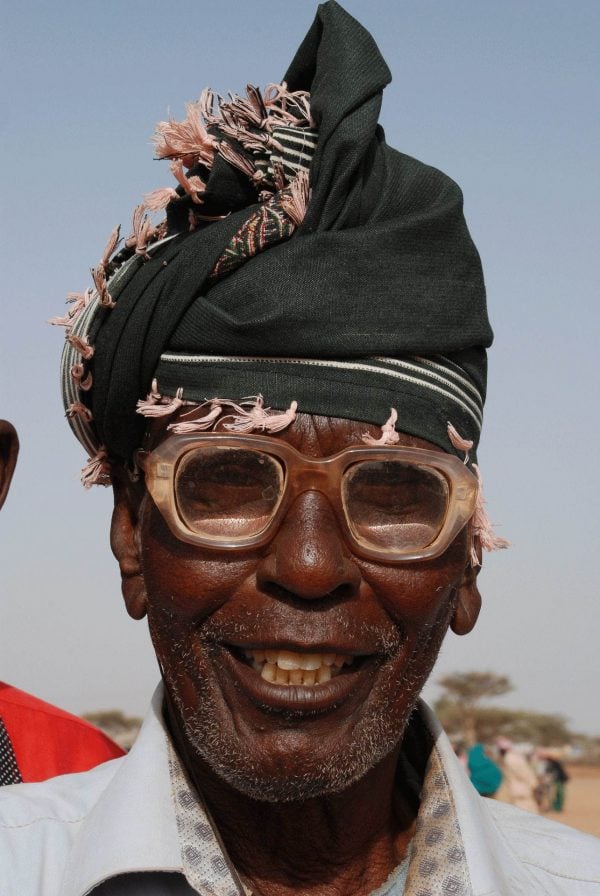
x=215 y=617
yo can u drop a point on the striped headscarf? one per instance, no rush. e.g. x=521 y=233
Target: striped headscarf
x=301 y=257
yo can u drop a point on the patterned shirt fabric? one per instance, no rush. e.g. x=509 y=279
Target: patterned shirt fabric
x=435 y=865
x=9 y=770
x=438 y=863
x=205 y=864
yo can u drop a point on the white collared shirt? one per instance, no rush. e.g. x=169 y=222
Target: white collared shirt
x=118 y=831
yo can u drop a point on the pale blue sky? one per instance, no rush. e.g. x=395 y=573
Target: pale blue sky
x=503 y=96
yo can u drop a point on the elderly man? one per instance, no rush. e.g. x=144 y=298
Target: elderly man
x=299 y=557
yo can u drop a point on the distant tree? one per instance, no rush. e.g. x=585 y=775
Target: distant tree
x=522 y=726
x=469 y=688
x=464 y=692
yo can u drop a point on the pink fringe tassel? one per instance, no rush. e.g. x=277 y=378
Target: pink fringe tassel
x=192 y=185
x=295 y=201
x=482 y=530
x=251 y=415
x=81 y=345
x=78 y=409
x=482 y=526
x=188 y=140
x=156 y=406
x=197 y=424
x=99 y=278
x=113 y=242
x=458 y=442
x=388 y=436
x=78 y=301
x=159 y=199
x=85 y=384
x=65 y=320
x=280 y=101
x=97 y=470
x=142 y=231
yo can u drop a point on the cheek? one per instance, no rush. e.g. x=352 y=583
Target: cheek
x=417 y=594
x=182 y=580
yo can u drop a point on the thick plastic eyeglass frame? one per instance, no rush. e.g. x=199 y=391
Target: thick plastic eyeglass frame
x=304 y=474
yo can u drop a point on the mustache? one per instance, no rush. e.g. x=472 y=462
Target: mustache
x=283 y=624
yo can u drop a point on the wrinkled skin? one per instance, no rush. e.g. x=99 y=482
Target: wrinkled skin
x=313 y=791
x=9 y=450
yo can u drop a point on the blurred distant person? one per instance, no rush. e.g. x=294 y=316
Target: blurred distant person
x=558 y=777
x=520 y=780
x=37 y=740
x=485 y=775
x=460 y=751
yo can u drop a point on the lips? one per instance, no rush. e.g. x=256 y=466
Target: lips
x=298 y=682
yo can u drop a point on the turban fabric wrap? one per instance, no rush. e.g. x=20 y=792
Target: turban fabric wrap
x=377 y=300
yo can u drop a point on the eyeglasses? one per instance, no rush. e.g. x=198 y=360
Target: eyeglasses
x=230 y=492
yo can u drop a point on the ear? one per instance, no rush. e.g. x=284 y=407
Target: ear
x=468 y=602
x=125 y=543
x=9 y=449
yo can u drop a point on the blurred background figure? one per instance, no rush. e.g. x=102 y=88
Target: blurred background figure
x=461 y=753
x=485 y=775
x=556 y=778
x=37 y=740
x=520 y=782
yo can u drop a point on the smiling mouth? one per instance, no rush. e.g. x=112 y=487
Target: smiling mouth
x=289 y=668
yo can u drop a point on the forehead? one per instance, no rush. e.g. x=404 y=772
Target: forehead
x=315 y=436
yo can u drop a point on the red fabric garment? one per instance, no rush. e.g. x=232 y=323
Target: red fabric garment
x=48 y=741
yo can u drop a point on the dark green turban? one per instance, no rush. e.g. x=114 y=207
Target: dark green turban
x=376 y=300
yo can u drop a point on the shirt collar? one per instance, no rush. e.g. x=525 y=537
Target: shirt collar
x=149 y=818
x=132 y=826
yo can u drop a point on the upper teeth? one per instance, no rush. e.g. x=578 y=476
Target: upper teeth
x=289 y=667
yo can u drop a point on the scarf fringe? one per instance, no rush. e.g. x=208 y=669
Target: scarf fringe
x=156 y=406
x=81 y=345
x=388 y=436
x=482 y=528
x=295 y=199
x=249 y=415
x=82 y=380
x=97 y=470
x=78 y=409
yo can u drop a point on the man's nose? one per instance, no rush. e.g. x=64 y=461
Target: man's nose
x=309 y=558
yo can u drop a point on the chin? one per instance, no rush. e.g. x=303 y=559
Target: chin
x=294 y=776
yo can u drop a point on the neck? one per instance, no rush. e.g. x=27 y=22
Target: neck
x=346 y=842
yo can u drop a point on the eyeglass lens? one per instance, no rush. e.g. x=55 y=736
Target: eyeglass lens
x=393 y=504
x=233 y=493
x=228 y=492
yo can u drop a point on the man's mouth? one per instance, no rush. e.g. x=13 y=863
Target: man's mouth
x=283 y=678
x=287 y=667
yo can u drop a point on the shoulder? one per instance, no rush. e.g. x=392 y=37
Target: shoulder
x=38 y=824
x=566 y=860
x=13 y=700
x=49 y=741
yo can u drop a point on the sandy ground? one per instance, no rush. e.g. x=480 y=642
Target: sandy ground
x=582 y=804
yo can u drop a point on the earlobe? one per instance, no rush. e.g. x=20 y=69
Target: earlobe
x=124 y=542
x=468 y=603
x=9 y=449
